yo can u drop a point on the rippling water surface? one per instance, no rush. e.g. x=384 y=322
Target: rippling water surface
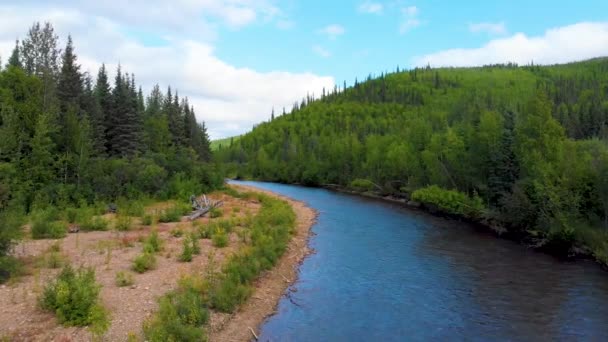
x=385 y=273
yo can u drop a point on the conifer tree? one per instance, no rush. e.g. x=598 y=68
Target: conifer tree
x=15 y=58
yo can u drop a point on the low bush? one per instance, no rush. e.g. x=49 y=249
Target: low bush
x=54 y=260
x=94 y=223
x=124 y=279
x=177 y=232
x=123 y=223
x=73 y=297
x=144 y=262
x=215 y=212
x=181 y=316
x=269 y=234
x=450 y=201
x=219 y=238
x=147 y=220
x=153 y=243
x=187 y=250
x=42 y=228
x=362 y=185
x=9 y=268
x=173 y=214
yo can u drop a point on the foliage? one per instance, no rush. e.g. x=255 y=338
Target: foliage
x=362 y=185
x=174 y=213
x=144 y=262
x=181 y=315
x=124 y=279
x=147 y=220
x=44 y=228
x=188 y=250
x=73 y=297
x=270 y=231
x=450 y=201
x=219 y=238
x=153 y=243
x=215 y=212
x=123 y=223
x=94 y=223
x=83 y=142
x=530 y=141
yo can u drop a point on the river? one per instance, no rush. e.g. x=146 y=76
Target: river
x=381 y=272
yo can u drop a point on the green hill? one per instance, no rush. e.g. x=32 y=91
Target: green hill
x=223 y=143
x=524 y=148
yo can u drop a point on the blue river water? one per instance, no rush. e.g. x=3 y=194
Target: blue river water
x=381 y=272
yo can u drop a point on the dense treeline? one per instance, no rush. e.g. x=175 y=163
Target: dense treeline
x=69 y=140
x=529 y=145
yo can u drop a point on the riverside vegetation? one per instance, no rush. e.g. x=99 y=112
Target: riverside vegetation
x=84 y=144
x=522 y=148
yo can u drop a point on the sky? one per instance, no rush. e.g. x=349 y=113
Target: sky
x=236 y=60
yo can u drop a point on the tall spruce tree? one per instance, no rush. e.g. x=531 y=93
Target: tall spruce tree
x=69 y=88
x=101 y=123
x=15 y=58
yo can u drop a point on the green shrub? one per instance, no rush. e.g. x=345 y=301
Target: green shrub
x=270 y=232
x=153 y=243
x=362 y=185
x=44 y=229
x=123 y=223
x=450 y=201
x=147 y=220
x=124 y=279
x=54 y=260
x=71 y=215
x=181 y=316
x=219 y=238
x=187 y=251
x=215 y=212
x=95 y=223
x=144 y=262
x=177 y=232
x=173 y=214
x=73 y=297
x=9 y=267
x=196 y=248
x=205 y=232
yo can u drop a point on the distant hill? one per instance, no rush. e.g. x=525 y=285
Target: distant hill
x=223 y=143
x=526 y=146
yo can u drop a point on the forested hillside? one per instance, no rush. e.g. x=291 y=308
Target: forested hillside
x=68 y=139
x=523 y=148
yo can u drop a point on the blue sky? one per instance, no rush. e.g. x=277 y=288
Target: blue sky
x=237 y=59
x=374 y=43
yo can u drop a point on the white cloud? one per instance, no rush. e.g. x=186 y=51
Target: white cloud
x=229 y=99
x=558 y=45
x=410 y=19
x=319 y=50
x=332 y=31
x=285 y=24
x=371 y=7
x=491 y=28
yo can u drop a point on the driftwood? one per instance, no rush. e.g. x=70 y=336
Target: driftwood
x=253 y=332
x=202 y=206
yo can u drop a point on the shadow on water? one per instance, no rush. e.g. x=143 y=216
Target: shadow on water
x=386 y=273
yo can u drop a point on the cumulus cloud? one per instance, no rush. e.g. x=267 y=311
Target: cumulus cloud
x=229 y=99
x=410 y=19
x=491 y=28
x=332 y=31
x=371 y=7
x=558 y=45
x=320 y=51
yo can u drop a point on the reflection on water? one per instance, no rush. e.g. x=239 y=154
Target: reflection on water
x=385 y=273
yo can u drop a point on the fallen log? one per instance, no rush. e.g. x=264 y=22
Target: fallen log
x=204 y=210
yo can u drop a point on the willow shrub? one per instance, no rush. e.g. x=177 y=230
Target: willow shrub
x=450 y=201
x=270 y=232
x=73 y=297
x=181 y=315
